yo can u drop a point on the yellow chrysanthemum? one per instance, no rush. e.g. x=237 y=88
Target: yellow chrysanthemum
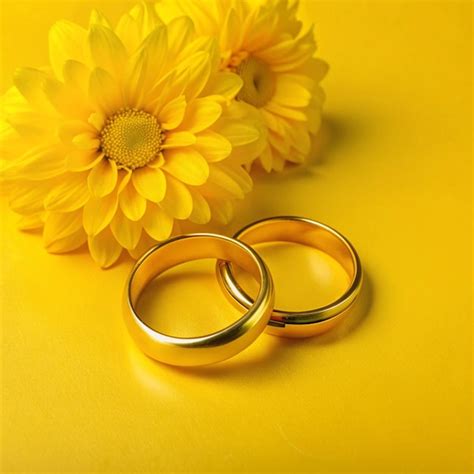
x=262 y=42
x=131 y=128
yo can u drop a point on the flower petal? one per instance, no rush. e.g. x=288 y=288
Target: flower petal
x=316 y=69
x=136 y=24
x=103 y=178
x=266 y=158
x=96 y=17
x=172 y=114
x=222 y=211
x=68 y=243
x=66 y=99
x=42 y=162
x=274 y=122
x=224 y=85
x=31 y=222
x=290 y=93
x=156 y=46
x=128 y=32
x=30 y=124
x=243 y=126
x=314 y=117
x=146 y=242
x=277 y=142
x=158 y=162
x=150 y=183
x=201 y=211
x=86 y=141
x=213 y=146
x=157 y=223
x=126 y=232
x=221 y=178
x=61 y=224
x=104 y=91
x=66 y=41
x=147 y=68
x=180 y=34
x=27 y=199
x=177 y=139
x=230 y=38
x=98 y=212
x=70 y=195
x=238 y=174
x=97 y=120
x=278 y=162
x=178 y=201
x=301 y=140
x=238 y=133
x=76 y=74
x=188 y=165
x=107 y=51
x=170 y=86
x=201 y=114
x=125 y=176
x=81 y=160
x=30 y=83
x=289 y=53
x=104 y=249
x=199 y=70
x=132 y=203
x=68 y=129
x=286 y=112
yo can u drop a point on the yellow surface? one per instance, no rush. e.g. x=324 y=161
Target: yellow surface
x=390 y=391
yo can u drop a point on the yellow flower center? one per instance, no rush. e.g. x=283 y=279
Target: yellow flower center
x=258 y=79
x=132 y=138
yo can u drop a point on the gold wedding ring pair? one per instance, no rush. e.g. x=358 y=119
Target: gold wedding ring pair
x=260 y=312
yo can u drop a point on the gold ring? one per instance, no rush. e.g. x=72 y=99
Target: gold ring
x=210 y=348
x=311 y=233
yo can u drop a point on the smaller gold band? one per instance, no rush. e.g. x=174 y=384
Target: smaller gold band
x=210 y=348
x=314 y=234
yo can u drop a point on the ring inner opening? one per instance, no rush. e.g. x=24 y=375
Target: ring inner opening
x=305 y=233
x=311 y=266
x=176 y=291
x=304 y=277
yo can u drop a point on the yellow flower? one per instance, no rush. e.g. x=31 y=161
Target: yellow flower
x=262 y=42
x=131 y=128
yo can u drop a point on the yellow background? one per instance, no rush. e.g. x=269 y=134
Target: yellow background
x=390 y=390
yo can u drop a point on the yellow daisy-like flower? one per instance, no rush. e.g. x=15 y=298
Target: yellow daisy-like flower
x=262 y=42
x=131 y=128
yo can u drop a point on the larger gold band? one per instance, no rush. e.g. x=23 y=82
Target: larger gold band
x=314 y=234
x=209 y=348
